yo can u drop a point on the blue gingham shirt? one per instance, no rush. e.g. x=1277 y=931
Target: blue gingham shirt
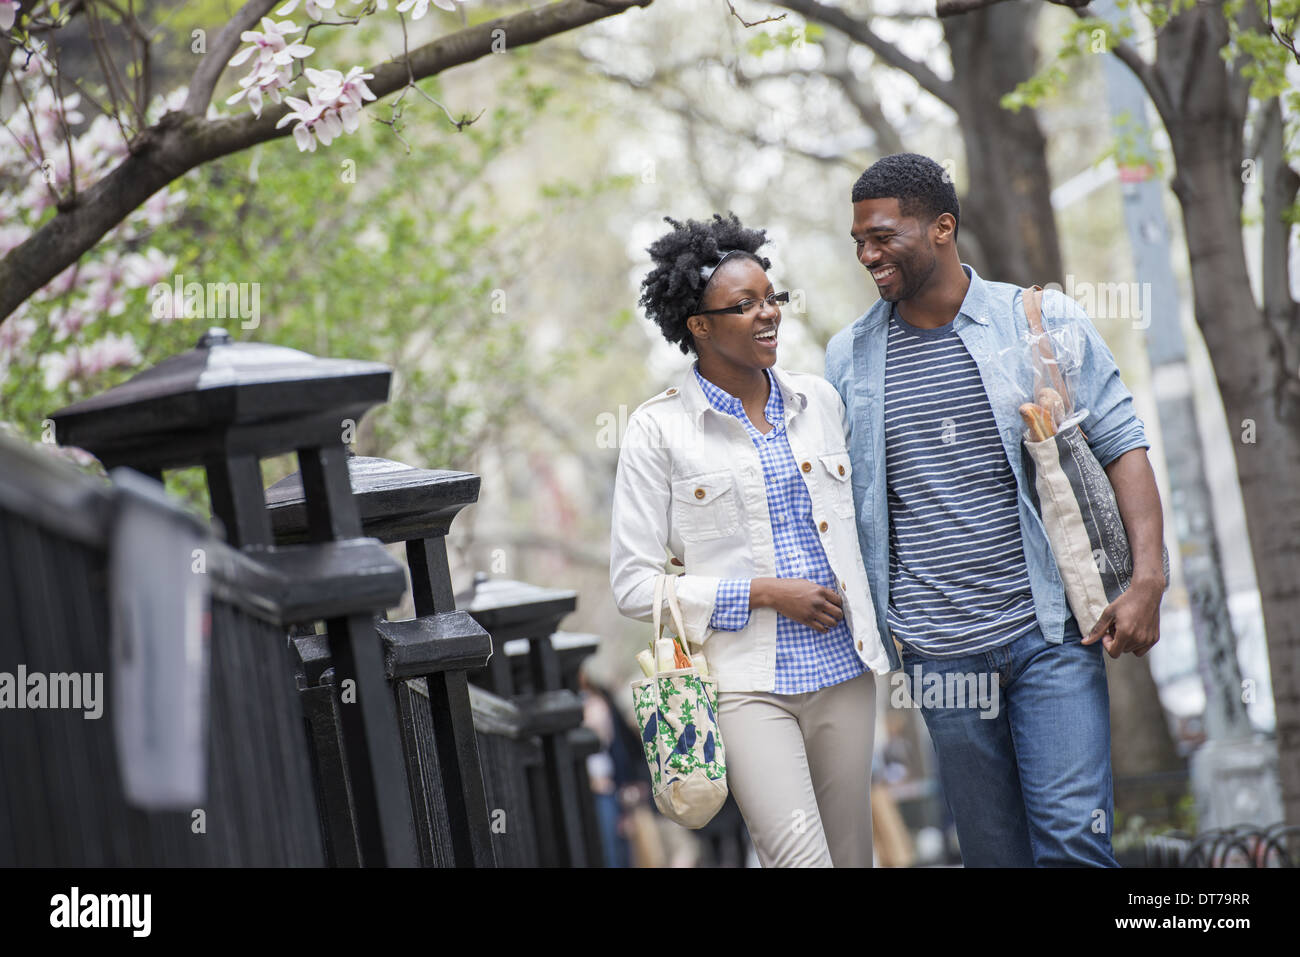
x=806 y=660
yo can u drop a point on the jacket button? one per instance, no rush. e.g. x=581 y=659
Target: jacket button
x=671 y=392
x=823 y=526
x=859 y=644
x=699 y=493
x=807 y=466
x=841 y=469
x=844 y=586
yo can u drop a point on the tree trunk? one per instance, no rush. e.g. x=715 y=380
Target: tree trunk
x=1010 y=194
x=1268 y=442
x=1202 y=100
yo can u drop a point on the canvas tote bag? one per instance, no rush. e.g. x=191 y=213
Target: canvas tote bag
x=1077 y=503
x=677 y=714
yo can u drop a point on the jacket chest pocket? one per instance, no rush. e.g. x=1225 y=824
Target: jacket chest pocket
x=838 y=480
x=705 y=506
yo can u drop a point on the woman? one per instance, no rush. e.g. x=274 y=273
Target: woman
x=738 y=475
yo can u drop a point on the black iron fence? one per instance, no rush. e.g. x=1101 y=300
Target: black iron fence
x=62 y=795
x=1244 y=845
x=330 y=735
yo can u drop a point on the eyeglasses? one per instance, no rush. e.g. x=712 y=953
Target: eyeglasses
x=746 y=306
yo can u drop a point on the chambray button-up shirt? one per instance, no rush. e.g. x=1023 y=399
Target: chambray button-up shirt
x=990 y=322
x=806 y=660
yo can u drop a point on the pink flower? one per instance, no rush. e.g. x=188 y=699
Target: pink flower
x=11 y=236
x=147 y=269
x=15 y=333
x=272 y=70
x=419 y=8
x=80 y=362
x=333 y=107
x=8 y=13
x=111 y=352
x=68 y=321
x=315 y=8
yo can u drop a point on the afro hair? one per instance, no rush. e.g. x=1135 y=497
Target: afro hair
x=671 y=291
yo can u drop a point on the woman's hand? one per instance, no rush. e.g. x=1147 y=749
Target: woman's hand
x=799 y=600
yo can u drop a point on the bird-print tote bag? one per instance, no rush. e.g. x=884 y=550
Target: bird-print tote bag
x=677 y=713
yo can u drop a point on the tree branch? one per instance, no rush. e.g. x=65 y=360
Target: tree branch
x=953 y=8
x=182 y=140
x=746 y=23
x=220 y=50
x=1151 y=81
x=862 y=33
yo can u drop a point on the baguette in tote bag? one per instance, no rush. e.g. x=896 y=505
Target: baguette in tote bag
x=1076 y=500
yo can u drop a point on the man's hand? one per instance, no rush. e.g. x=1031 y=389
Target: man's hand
x=1131 y=622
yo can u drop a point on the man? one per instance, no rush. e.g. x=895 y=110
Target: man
x=956 y=554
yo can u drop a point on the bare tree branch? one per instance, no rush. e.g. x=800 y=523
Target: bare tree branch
x=183 y=140
x=861 y=93
x=755 y=23
x=861 y=32
x=1155 y=86
x=953 y=8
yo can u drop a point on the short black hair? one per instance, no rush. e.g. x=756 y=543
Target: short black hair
x=671 y=291
x=922 y=187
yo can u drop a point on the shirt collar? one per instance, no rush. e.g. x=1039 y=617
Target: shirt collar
x=974 y=306
x=694 y=391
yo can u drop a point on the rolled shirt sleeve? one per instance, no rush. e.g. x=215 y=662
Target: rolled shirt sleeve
x=1112 y=426
x=731 y=605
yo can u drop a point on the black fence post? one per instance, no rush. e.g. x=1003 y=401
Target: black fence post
x=565 y=810
x=225 y=405
x=427 y=656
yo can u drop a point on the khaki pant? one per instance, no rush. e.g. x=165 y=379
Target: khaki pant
x=799 y=766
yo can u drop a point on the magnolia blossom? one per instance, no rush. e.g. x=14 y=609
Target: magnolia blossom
x=49 y=116
x=81 y=362
x=11 y=236
x=105 y=292
x=314 y=8
x=333 y=107
x=272 y=70
x=159 y=208
x=8 y=13
x=102 y=144
x=147 y=269
x=419 y=8
x=66 y=309
x=15 y=333
x=60 y=285
x=68 y=321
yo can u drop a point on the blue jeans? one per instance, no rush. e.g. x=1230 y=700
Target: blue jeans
x=1026 y=769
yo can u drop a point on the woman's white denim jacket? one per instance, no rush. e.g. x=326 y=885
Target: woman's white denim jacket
x=690 y=486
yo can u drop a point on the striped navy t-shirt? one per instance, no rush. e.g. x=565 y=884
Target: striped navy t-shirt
x=958 y=582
